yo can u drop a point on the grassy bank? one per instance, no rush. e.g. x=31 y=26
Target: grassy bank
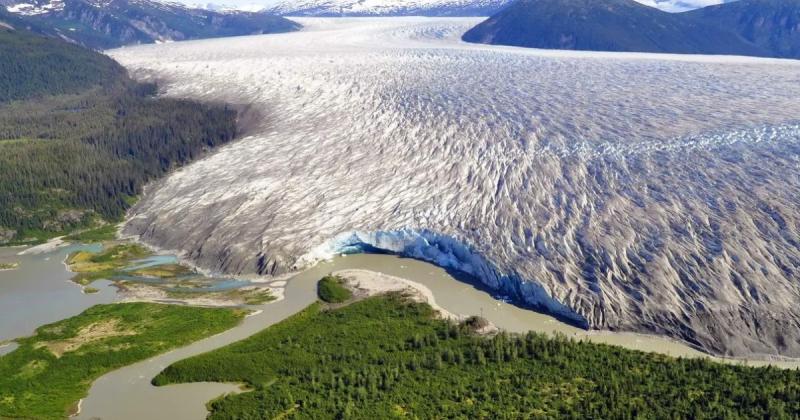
x=50 y=371
x=383 y=357
x=100 y=234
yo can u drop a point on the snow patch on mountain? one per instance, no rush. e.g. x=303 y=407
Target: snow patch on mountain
x=33 y=9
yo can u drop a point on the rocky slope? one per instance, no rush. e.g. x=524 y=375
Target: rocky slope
x=626 y=191
x=108 y=24
x=773 y=25
x=767 y=28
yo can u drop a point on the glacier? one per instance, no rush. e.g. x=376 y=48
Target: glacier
x=375 y=8
x=638 y=192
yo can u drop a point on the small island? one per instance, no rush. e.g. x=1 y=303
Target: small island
x=9 y=266
x=124 y=263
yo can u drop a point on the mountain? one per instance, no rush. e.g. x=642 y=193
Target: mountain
x=771 y=24
x=79 y=137
x=34 y=65
x=681 y=5
x=108 y=24
x=603 y=25
x=388 y=7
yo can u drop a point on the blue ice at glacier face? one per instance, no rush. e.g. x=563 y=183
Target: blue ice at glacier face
x=444 y=252
x=642 y=192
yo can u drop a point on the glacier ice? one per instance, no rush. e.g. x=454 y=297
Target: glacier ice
x=386 y=7
x=638 y=192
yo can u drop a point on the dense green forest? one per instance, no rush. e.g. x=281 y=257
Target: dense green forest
x=46 y=376
x=34 y=65
x=332 y=290
x=86 y=138
x=386 y=357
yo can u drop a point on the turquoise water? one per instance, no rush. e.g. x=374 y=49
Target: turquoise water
x=40 y=291
x=153 y=261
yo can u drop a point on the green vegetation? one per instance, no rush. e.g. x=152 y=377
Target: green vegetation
x=245 y=296
x=90 y=266
x=116 y=263
x=9 y=266
x=258 y=297
x=100 y=234
x=50 y=371
x=164 y=271
x=331 y=289
x=385 y=357
x=79 y=139
x=35 y=65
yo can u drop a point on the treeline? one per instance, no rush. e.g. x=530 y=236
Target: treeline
x=67 y=159
x=384 y=357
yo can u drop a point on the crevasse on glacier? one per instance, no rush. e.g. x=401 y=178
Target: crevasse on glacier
x=644 y=192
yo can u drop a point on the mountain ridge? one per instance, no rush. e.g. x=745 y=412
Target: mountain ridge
x=771 y=24
x=767 y=28
x=364 y=8
x=115 y=23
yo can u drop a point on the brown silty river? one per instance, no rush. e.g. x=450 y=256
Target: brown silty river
x=127 y=394
x=39 y=292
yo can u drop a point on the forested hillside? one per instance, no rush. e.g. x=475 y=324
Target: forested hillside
x=36 y=65
x=86 y=137
x=387 y=358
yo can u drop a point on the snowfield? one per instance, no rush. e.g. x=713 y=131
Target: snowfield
x=626 y=191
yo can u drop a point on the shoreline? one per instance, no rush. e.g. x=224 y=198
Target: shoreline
x=277 y=287
x=46 y=247
x=282 y=279
x=366 y=283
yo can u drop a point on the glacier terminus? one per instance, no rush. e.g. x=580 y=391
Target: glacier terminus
x=640 y=192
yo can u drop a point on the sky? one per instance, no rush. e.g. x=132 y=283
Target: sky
x=668 y=5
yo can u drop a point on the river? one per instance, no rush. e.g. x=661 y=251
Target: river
x=127 y=394
x=39 y=292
